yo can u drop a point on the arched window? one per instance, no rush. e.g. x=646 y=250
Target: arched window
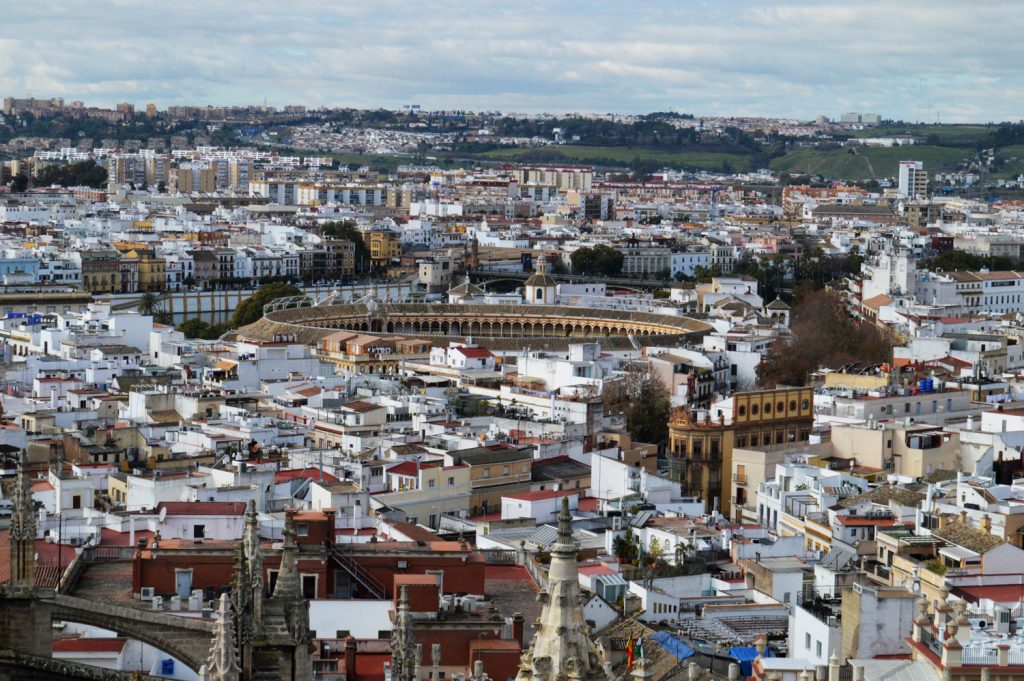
x=540 y=294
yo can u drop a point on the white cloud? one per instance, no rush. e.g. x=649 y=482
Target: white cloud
x=790 y=58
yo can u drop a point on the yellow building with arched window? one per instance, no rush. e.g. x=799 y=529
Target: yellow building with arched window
x=701 y=441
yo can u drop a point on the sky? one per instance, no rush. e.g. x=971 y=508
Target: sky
x=951 y=61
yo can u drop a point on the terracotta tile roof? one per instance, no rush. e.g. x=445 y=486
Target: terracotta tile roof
x=307 y=473
x=229 y=508
x=541 y=495
x=89 y=645
x=883 y=495
x=967 y=536
x=876 y=302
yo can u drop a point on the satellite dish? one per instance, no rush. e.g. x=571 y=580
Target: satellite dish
x=163 y=514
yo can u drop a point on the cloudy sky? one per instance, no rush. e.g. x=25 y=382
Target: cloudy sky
x=955 y=60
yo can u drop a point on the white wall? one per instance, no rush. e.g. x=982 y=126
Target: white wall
x=363 y=619
x=802 y=624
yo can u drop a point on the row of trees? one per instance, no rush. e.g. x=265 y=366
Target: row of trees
x=82 y=174
x=949 y=261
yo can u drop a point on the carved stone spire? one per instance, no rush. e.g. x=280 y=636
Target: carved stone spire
x=251 y=546
x=403 y=645
x=247 y=591
x=562 y=649
x=288 y=586
x=23 y=530
x=222 y=664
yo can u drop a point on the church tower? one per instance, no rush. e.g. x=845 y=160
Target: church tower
x=540 y=288
x=563 y=649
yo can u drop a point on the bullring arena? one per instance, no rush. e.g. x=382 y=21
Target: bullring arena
x=496 y=326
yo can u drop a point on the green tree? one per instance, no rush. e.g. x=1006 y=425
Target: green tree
x=84 y=173
x=251 y=309
x=19 y=183
x=348 y=231
x=655 y=550
x=149 y=303
x=645 y=401
x=598 y=261
x=197 y=328
x=625 y=547
x=194 y=328
x=824 y=335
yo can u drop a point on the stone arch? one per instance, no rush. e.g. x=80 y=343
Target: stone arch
x=186 y=639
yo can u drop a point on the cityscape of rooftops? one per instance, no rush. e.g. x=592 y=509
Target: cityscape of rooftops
x=576 y=342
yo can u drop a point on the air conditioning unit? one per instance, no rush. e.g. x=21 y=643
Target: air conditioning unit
x=147 y=593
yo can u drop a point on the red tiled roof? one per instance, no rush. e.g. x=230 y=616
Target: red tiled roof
x=414 y=532
x=596 y=570
x=405 y=468
x=89 y=645
x=540 y=495
x=483 y=517
x=877 y=301
x=307 y=473
x=998 y=593
x=361 y=407
x=858 y=521
x=202 y=507
x=474 y=353
x=111 y=537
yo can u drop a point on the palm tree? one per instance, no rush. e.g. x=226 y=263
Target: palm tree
x=149 y=304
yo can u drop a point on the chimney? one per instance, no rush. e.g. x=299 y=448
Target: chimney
x=986 y=524
x=963 y=517
x=517 y=627
x=350 y=659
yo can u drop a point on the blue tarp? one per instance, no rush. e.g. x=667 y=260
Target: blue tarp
x=673 y=645
x=746 y=655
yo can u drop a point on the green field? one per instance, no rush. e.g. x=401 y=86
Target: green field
x=382 y=163
x=574 y=153
x=866 y=163
x=1012 y=160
